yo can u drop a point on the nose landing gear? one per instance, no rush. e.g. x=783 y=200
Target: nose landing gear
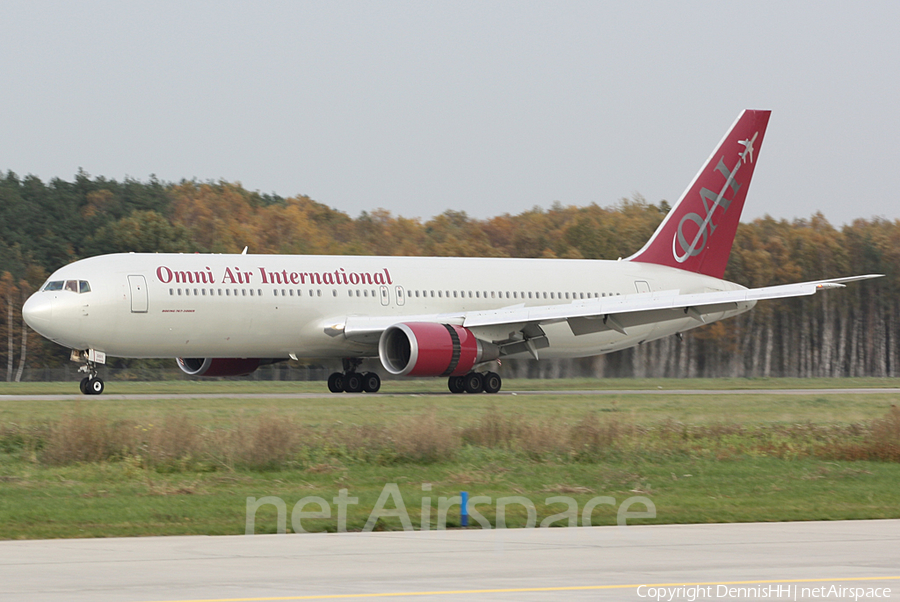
x=91 y=384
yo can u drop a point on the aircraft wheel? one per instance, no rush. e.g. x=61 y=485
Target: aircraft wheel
x=83 y=385
x=456 y=384
x=371 y=382
x=353 y=382
x=492 y=382
x=94 y=386
x=473 y=383
x=336 y=382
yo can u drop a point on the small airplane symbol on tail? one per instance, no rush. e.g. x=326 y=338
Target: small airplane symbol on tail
x=748 y=147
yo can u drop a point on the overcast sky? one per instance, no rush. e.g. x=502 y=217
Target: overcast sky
x=486 y=107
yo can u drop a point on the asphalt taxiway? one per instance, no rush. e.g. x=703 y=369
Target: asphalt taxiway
x=387 y=391
x=597 y=563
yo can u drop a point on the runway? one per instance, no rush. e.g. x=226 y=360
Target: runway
x=388 y=392
x=734 y=561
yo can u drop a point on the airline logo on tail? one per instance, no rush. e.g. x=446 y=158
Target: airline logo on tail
x=705 y=225
x=698 y=232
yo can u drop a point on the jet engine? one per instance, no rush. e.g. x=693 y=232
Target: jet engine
x=206 y=366
x=431 y=349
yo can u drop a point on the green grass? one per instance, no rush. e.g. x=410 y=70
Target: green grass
x=111 y=500
x=403 y=398
x=699 y=458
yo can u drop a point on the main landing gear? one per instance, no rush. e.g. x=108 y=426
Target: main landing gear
x=475 y=382
x=351 y=381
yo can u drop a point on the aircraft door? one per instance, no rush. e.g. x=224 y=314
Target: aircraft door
x=642 y=286
x=385 y=296
x=401 y=298
x=139 y=300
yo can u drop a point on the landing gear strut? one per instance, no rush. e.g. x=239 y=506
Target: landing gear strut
x=351 y=381
x=475 y=382
x=91 y=384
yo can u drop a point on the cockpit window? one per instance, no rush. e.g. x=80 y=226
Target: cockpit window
x=76 y=286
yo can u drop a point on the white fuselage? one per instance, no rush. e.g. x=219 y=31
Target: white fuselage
x=275 y=306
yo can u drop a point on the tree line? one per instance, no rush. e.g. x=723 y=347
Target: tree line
x=848 y=332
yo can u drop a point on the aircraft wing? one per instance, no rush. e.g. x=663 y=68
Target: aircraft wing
x=589 y=315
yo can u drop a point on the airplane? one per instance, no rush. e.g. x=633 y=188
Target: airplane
x=228 y=314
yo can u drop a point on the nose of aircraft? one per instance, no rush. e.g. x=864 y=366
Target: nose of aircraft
x=38 y=311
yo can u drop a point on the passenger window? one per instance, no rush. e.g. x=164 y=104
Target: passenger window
x=171 y=292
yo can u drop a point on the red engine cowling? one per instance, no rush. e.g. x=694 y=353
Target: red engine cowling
x=205 y=366
x=430 y=349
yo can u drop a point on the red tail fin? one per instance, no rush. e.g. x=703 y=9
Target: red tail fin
x=698 y=232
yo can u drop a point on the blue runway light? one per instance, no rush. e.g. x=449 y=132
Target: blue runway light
x=463 y=509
